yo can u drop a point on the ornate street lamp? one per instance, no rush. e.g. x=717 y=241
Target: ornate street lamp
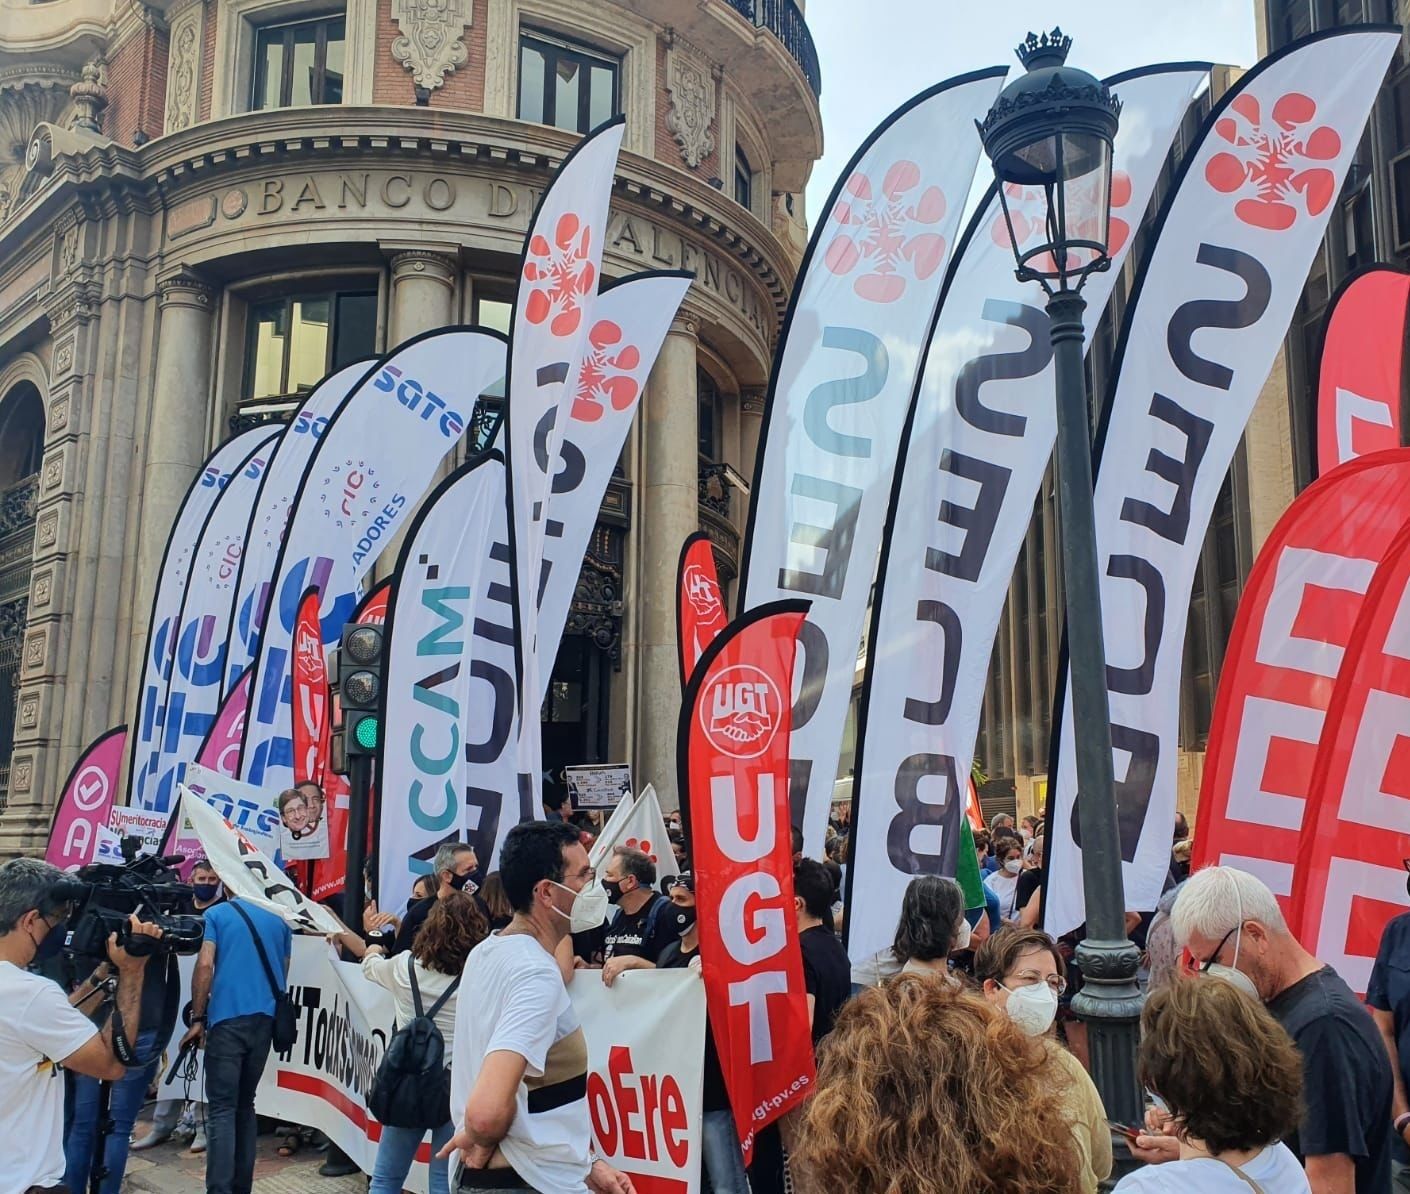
x=1049 y=136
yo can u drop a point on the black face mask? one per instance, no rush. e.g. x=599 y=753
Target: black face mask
x=685 y=920
x=459 y=881
x=613 y=888
x=53 y=942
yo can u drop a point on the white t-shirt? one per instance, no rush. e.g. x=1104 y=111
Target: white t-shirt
x=1005 y=886
x=37 y=1029
x=1275 y=1170
x=512 y=998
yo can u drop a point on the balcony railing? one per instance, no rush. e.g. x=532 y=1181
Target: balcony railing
x=785 y=22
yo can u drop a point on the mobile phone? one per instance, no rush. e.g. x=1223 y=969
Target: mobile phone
x=1130 y=1131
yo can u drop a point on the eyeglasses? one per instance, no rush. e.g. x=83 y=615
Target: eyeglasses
x=1218 y=949
x=1031 y=978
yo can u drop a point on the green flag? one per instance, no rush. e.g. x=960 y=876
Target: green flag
x=967 y=869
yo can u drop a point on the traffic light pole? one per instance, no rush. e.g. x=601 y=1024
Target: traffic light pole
x=359 y=805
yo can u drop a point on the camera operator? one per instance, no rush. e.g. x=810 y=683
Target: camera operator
x=43 y=1029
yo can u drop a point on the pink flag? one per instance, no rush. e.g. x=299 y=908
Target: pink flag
x=221 y=749
x=86 y=802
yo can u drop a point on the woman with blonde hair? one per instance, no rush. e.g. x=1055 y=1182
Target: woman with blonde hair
x=923 y=1089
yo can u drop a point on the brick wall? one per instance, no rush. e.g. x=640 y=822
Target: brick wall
x=208 y=19
x=668 y=149
x=463 y=89
x=136 y=86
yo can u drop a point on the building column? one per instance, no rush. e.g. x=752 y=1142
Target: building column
x=176 y=430
x=669 y=511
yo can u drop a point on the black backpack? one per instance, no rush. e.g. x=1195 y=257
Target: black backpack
x=412 y=1088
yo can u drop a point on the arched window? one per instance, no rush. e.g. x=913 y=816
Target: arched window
x=21 y=434
x=21 y=450
x=707 y=398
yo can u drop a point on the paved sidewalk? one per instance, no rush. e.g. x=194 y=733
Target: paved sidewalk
x=170 y=1169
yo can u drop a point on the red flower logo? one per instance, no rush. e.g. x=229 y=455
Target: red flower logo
x=1028 y=209
x=883 y=233
x=559 y=274
x=606 y=373
x=1271 y=166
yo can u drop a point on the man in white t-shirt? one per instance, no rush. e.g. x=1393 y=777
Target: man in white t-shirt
x=519 y=1071
x=42 y=1029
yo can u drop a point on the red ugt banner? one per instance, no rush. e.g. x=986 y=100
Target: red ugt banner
x=700 y=606
x=732 y=759
x=1350 y=875
x=311 y=701
x=1363 y=359
x=1294 y=625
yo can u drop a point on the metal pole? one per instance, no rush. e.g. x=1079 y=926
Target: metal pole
x=1110 y=1000
x=359 y=799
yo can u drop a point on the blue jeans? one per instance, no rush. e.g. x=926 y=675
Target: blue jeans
x=128 y=1094
x=236 y=1050
x=723 y=1156
x=396 y=1151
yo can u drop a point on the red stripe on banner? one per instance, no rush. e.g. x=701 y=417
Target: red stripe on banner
x=732 y=758
x=646 y=1183
x=1363 y=361
x=1278 y=677
x=320 y=1088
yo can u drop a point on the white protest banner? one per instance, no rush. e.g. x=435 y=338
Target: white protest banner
x=249 y=873
x=249 y=809
x=160 y=644
x=611 y=831
x=271 y=517
x=146 y=824
x=559 y=274
x=433 y=675
x=377 y=456
x=1231 y=249
x=644 y=829
x=598 y=785
x=845 y=369
x=203 y=631
x=974 y=454
x=628 y=325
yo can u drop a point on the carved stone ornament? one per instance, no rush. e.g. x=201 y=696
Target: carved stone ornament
x=692 y=90
x=183 y=73
x=90 y=96
x=432 y=40
x=38 y=95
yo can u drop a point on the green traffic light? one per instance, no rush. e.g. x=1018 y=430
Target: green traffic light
x=367 y=731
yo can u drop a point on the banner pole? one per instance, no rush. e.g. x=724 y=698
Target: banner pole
x=359 y=798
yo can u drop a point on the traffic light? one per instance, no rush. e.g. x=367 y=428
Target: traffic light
x=360 y=688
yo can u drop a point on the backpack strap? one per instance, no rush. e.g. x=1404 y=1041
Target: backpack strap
x=445 y=995
x=651 y=917
x=274 y=988
x=416 y=991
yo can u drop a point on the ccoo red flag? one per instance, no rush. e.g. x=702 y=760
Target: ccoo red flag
x=732 y=759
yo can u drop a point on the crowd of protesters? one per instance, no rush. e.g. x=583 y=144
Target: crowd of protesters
x=948 y=1061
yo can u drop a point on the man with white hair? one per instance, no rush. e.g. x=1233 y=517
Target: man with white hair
x=1233 y=928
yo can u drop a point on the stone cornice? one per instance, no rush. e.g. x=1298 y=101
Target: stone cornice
x=290 y=139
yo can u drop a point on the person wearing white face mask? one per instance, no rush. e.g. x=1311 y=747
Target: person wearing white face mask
x=1231 y=926
x=519 y=1065
x=1021 y=972
x=1008 y=853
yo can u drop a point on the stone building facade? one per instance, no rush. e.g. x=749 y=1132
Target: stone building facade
x=206 y=204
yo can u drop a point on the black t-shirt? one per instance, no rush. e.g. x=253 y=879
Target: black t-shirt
x=644 y=933
x=411 y=924
x=675 y=957
x=827 y=976
x=1028 y=882
x=1389 y=991
x=1346 y=1078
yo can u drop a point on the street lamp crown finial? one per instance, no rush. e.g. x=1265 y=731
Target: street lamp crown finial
x=1043 y=50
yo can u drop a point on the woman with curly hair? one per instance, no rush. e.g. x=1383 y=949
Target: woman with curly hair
x=1232 y=1081
x=923 y=1089
x=453 y=927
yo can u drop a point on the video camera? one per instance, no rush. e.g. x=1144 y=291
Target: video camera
x=105 y=895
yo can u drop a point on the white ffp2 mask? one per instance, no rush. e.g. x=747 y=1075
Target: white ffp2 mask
x=589 y=907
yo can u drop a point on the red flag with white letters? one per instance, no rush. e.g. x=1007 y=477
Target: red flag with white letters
x=1363 y=362
x=1295 y=623
x=700 y=606
x=312 y=719
x=732 y=759
x=1350 y=877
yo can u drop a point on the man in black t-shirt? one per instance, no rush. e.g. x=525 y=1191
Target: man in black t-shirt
x=827 y=974
x=1233 y=927
x=641 y=931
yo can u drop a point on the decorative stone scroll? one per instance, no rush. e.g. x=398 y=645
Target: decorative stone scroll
x=692 y=90
x=432 y=41
x=183 y=77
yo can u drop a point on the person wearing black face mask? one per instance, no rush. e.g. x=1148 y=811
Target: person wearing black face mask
x=641 y=930
x=455 y=869
x=43 y=1029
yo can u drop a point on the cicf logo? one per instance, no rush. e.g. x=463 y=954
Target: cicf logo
x=700 y=591
x=1274 y=167
x=883 y=232
x=739 y=712
x=559 y=274
x=606 y=373
x=1028 y=211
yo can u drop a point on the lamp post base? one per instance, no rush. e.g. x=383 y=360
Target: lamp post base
x=1109 y=1004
